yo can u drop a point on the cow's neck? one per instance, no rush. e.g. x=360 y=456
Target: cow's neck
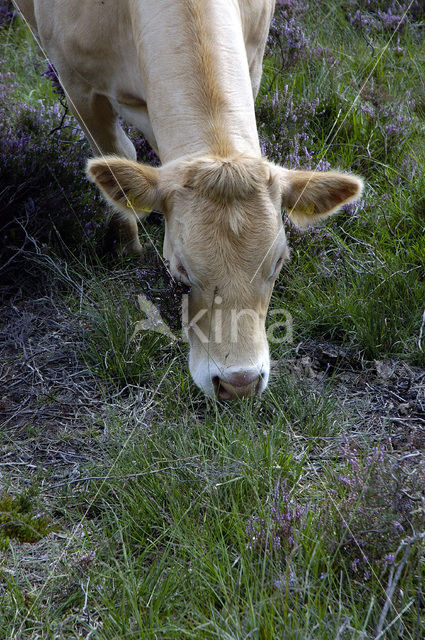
x=196 y=77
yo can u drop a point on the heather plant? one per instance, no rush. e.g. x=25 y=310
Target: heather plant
x=7 y=13
x=292 y=128
x=279 y=532
x=374 y=505
x=287 y=39
x=52 y=74
x=383 y=15
x=41 y=166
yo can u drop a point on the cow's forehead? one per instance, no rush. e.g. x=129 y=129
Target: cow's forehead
x=230 y=240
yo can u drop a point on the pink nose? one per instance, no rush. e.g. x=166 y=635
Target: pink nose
x=240 y=384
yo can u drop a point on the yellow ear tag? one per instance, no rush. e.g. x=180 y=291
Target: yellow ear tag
x=309 y=211
x=132 y=205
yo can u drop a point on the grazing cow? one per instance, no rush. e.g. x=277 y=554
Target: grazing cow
x=186 y=73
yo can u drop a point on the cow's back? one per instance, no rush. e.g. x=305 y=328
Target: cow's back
x=144 y=60
x=97 y=38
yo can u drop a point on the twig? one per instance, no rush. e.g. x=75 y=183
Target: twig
x=15 y=464
x=113 y=477
x=364 y=244
x=14 y=256
x=39 y=255
x=64 y=114
x=368 y=42
x=409 y=419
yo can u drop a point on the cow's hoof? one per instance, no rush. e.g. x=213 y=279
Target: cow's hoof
x=132 y=249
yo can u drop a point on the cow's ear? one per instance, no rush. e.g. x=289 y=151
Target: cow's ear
x=126 y=184
x=312 y=196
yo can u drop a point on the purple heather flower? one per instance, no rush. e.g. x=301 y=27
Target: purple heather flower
x=397 y=526
x=355 y=563
x=52 y=74
x=7 y=14
x=285 y=518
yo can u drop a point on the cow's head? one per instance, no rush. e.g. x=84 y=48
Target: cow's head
x=225 y=239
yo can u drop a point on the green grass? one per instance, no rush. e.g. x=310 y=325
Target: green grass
x=177 y=532
x=171 y=552
x=113 y=348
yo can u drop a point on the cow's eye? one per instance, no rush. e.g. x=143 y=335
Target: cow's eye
x=182 y=271
x=277 y=266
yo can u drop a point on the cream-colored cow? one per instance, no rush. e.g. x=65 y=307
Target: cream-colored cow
x=186 y=73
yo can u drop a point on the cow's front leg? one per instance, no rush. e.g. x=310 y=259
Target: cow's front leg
x=100 y=123
x=122 y=228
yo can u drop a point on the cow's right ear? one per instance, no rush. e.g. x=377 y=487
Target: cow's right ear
x=127 y=184
x=312 y=196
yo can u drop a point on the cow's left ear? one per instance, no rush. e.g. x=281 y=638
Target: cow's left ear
x=312 y=196
x=127 y=184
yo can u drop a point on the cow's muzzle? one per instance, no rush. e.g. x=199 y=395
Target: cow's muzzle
x=240 y=384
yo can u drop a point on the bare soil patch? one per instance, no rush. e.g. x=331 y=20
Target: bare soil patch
x=387 y=396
